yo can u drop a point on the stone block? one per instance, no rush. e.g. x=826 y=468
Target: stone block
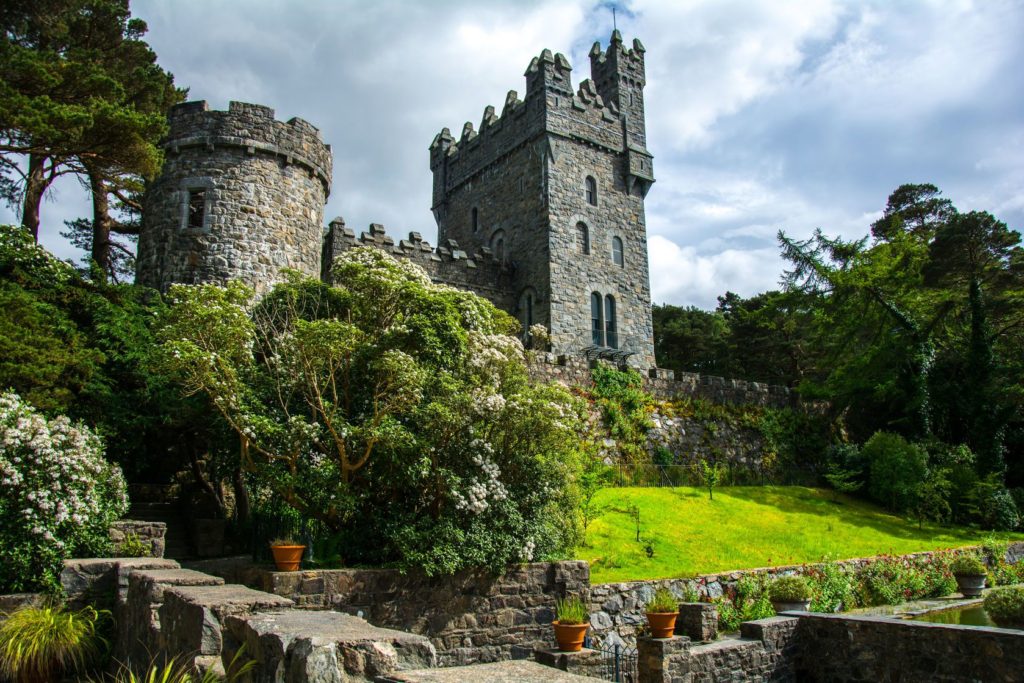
x=297 y=646
x=698 y=621
x=191 y=617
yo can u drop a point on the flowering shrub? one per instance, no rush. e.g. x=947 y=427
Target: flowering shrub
x=59 y=499
x=892 y=580
x=394 y=412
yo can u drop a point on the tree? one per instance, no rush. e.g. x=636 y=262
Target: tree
x=79 y=93
x=395 y=412
x=689 y=339
x=915 y=209
x=897 y=469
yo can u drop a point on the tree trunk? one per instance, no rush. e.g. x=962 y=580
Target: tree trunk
x=241 y=497
x=100 y=222
x=35 y=186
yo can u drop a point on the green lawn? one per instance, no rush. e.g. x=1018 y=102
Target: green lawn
x=744 y=527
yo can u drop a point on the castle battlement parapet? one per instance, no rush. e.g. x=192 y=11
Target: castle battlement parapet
x=446 y=264
x=253 y=128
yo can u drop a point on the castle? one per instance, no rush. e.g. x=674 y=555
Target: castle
x=540 y=210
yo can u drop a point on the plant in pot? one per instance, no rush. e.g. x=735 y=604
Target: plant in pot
x=970 y=574
x=571 y=624
x=1006 y=606
x=287 y=554
x=790 y=594
x=662 y=610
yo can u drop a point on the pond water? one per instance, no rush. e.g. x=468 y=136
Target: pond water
x=973 y=615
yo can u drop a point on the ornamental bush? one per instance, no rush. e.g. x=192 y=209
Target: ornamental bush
x=394 y=412
x=791 y=588
x=59 y=496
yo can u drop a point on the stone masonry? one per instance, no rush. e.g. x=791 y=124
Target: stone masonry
x=241 y=196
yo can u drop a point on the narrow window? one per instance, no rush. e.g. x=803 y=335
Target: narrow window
x=617 y=252
x=596 y=319
x=583 y=238
x=529 y=311
x=197 y=208
x=475 y=219
x=611 y=334
x=591 y=191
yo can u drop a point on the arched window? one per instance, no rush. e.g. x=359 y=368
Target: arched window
x=583 y=238
x=617 y=257
x=591 y=191
x=596 y=319
x=611 y=333
x=475 y=219
x=498 y=244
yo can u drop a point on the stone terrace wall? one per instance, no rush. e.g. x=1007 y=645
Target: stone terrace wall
x=887 y=649
x=617 y=609
x=150 y=533
x=471 y=617
x=667 y=384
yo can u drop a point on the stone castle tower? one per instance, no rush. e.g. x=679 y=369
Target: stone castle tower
x=541 y=210
x=555 y=188
x=241 y=196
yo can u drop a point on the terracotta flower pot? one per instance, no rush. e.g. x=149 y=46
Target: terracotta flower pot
x=970 y=586
x=570 y=636
x=662 y=624
x=287 y=557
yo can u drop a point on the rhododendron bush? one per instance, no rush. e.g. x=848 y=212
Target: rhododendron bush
x=395 y=412
x=59 y=495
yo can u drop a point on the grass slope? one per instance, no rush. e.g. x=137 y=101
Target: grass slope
x=744 y=527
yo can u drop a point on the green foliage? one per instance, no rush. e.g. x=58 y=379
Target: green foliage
x=843 y=480
x=992 y=505
x=1006 y=605
x=831 y=586
x=890 y=580
x=393 y=411
x=662 y=602
x=172 y=671
x=60 y=496
x=39 y=644
x=710 y=475
x=132 y=546
x=747 y=602
x=967 y=564
x=625 y=407
x=571 y=610
x=931 y=499
x=593 y=477
x=690 y=340
x=896 y=470
x=791 y=588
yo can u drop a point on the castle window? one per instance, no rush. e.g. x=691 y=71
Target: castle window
x=197 y=208
x=611 y=334
x=498 y=244
x=596 y=319
x=475 y=219
x=617 y=257
x=526 y=302
x=591 y=191
x=583 y=238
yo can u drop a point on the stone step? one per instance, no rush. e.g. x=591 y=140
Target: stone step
x=103 y=581
x=299 y=646
x=138 y=638
x=514 y=671
x=191 y=617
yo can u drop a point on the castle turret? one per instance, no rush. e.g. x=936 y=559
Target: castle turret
x=241 y=196
x=619 y=76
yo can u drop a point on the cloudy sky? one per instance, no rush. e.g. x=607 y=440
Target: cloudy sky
x=761 y=114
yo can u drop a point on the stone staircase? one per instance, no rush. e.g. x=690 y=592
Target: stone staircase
x=176 y=540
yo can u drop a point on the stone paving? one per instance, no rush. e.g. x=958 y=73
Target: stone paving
x=514 y=671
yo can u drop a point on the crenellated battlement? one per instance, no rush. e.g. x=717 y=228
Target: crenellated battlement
x=446 y=264
x=252 y=128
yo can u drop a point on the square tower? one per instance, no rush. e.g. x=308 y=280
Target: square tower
x=555 y=188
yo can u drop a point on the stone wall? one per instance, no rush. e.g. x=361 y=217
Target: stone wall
x=617 y=609
x=264 y=184
x=471 y=617
x=861 y=648
x=152 y=534
x=666 y=384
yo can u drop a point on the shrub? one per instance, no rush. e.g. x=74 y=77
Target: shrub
x=420 y=440
x=1006 y=605
x=132 y=546
x=793 y=588
x=831 y=587
x=967 y=564
x=571 y=610
x=40 y=643
x=896 y=469
x=60 y=496
x=890 y=581
x=998 y=510
x=172 y=671
x=662 y=602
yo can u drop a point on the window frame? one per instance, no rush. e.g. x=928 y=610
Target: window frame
x=590 y=190
x=618 y=251
x=597 y=324
x=582 y=229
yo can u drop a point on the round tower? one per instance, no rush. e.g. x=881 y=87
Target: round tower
x=240 y=196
